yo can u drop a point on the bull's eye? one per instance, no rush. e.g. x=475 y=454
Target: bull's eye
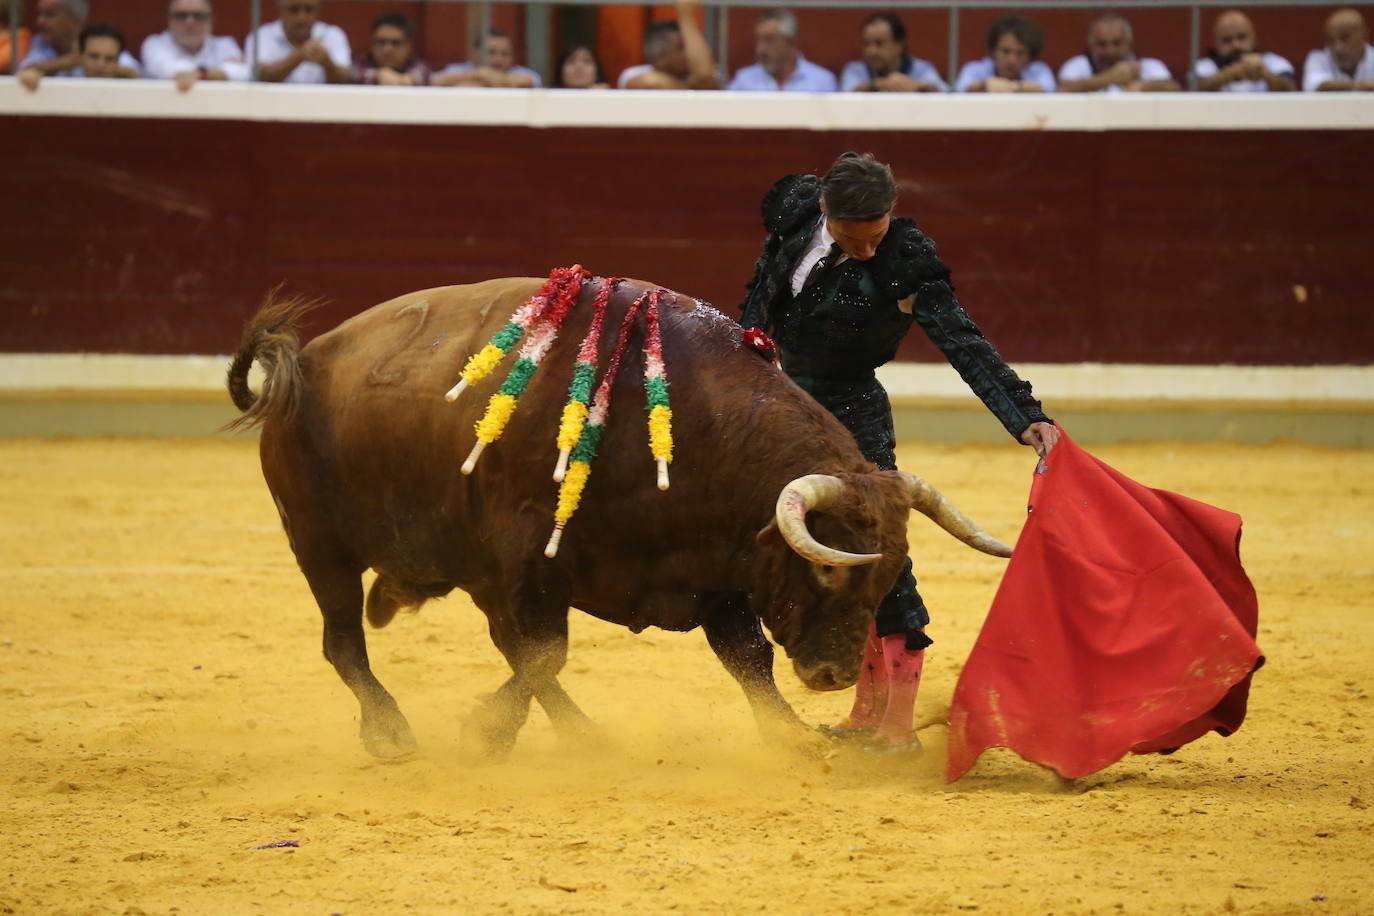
x=827 y=569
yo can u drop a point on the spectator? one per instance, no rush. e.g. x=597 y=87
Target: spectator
x=1013 y=63
x=887 y=67
x=298 y=48
x=677 y=54
x=781 y=66
x=1347 y=64
x=498 y=71
x=54 y=51
x=1111 y=65
x=391 y=60
x=99 y=48
x=101 y=45
x=579 y=68
x=1233 y=64
x=188 y=52
x=10 y=56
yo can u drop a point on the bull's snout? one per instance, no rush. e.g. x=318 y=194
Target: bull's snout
x=827 y=675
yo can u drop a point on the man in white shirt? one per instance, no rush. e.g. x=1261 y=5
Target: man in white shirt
x=298 y=48
x=781 y=66
x=887 y=66
x=1235 y=66
x=1347 y=62
x=1111 y=65
x=187 y=51
x=498 y=70
x=54 y=51
x=677 y=54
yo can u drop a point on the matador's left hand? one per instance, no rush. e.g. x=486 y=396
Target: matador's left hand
x=1041 y=437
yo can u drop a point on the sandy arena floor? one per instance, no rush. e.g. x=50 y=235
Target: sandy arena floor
x=167 y=710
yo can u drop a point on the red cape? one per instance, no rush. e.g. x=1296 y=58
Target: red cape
x=1124 y=623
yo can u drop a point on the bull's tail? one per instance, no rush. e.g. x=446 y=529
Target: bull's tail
x=270 y=338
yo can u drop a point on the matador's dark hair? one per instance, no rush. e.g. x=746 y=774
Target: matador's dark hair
x=858 y=188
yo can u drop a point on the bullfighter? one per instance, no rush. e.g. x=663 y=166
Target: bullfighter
x=838 y=285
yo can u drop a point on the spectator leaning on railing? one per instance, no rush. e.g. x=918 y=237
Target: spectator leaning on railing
x=497 y=69
x=1110 y=65
x=781 y=65
x=579 y=68
x=390 y=59
x=54 y=51
x=677 y=54
x=1013 y=63
x=188 y=51
x=1233 y=64
x=99 y=47
x=887 y=65
x=298 y=48
x=1346 y=64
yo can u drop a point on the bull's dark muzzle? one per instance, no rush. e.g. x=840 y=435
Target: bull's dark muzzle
x=827 y=675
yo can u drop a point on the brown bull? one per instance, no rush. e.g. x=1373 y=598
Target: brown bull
x=362 y=455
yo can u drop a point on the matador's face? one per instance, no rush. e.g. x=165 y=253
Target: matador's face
x=859 y=238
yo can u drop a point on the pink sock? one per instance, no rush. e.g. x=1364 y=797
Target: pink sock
x=903 y=669
x=870 y=696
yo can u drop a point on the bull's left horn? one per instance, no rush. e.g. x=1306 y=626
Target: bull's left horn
x=931 y=502
x=814 y=491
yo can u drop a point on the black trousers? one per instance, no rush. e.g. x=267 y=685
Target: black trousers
x=864 y=409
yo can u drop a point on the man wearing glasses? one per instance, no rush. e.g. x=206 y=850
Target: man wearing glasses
x=187 y=51
x=391 y=60
x=298 y=48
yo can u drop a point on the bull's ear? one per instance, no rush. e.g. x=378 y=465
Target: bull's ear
x=768 y=532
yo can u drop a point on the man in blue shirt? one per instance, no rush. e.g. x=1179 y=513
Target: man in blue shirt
x=887 y=67
x=781 y=66
x=54 y=51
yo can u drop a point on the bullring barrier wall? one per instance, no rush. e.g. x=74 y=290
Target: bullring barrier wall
x=1115 y=238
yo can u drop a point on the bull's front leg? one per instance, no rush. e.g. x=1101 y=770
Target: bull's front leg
x=734 y=633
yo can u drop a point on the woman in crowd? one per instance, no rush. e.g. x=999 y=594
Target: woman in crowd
x=578 y=68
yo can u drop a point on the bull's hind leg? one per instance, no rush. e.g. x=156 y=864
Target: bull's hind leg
x=338 y=590
x=532 y=633
x=734 y=633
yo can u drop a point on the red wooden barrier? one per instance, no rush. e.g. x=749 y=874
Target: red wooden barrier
x=160 y=235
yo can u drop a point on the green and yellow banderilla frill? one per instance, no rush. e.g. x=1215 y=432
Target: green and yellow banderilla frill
x=538 y=321
x=575 y=412
x=580 y=465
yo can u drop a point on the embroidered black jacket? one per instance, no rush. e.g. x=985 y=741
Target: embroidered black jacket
x=849 y=322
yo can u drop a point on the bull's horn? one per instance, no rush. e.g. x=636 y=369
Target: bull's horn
x=929 y=501
x=803 y=495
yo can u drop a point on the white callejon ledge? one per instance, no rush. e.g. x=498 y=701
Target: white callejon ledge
x=1124 y=382
x=1340 y=386
x=742 y=110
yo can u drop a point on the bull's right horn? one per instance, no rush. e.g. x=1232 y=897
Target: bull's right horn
x=931 y=502
x=803 y=495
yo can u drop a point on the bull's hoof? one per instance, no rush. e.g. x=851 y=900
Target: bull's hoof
x=390 y=740
x=585 y=741
x=794 y=738
x=907 y=746
x=845 y=732
x=385 y=748
x=479 y=744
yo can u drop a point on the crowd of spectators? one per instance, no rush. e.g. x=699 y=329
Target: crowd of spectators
x=298 y=47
